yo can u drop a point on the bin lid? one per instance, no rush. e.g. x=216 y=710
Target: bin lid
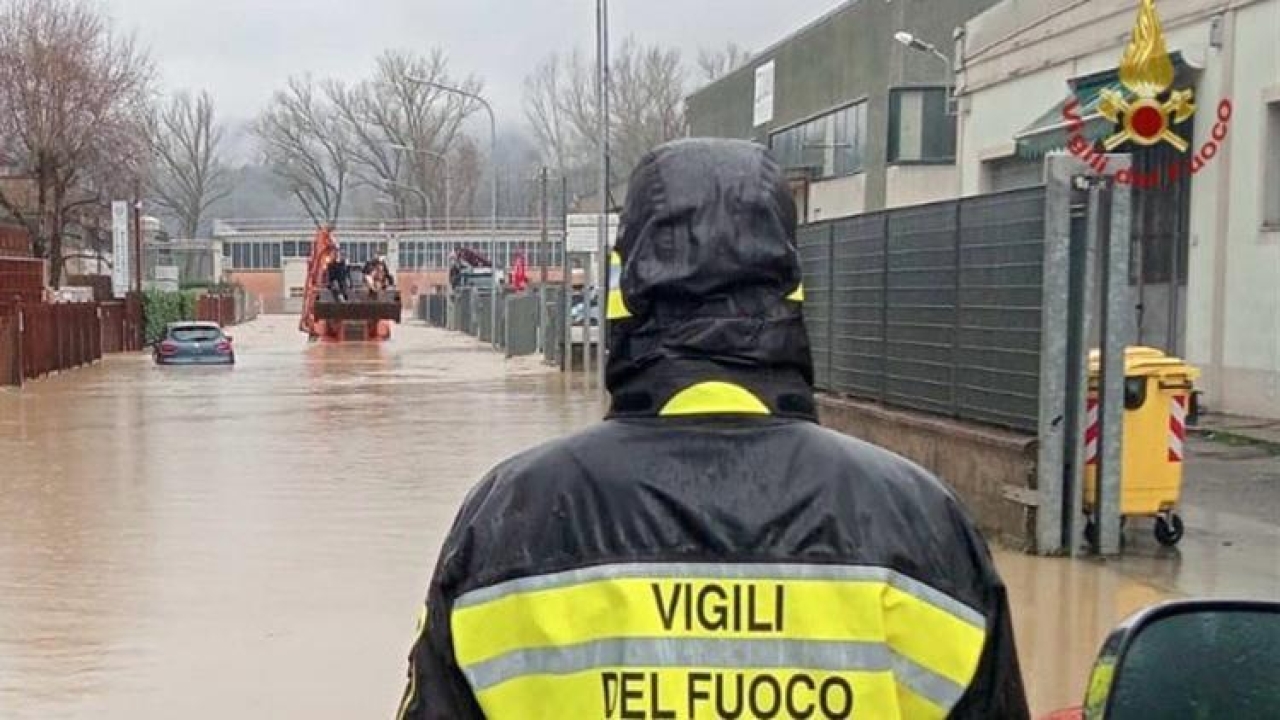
x=1146 y=362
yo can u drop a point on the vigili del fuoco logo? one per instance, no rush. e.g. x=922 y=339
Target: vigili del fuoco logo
x=1145 y=110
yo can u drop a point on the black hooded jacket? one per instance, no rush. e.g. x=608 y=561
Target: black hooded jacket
x=709 y=551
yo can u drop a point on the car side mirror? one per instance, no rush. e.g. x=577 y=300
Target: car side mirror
x=1192 y=659
x=229 y=338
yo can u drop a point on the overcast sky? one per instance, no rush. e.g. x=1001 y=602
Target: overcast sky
x=241 y=50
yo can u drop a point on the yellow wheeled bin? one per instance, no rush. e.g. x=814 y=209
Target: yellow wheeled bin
x=1157 y=399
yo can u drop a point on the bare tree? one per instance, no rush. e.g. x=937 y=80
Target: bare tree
x=189 y=176
x=715 y=64
x=74 y=98
x=401 y=126
x=647 y=108
x=648 y=87
x=544 y=92
x=309 y=147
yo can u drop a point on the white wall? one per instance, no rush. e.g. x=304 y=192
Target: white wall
x=1233 y=323
x=1233 y=296
x=916 y=184
x=840 y=197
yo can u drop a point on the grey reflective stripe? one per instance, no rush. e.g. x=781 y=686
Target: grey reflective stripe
x=727 y=571
x=746 y=655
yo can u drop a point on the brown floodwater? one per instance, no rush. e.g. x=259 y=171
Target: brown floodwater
x=255 y=542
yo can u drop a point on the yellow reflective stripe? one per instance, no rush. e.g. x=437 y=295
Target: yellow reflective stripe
x=798 y=295
x=617 y=305
x=716 y=609
x=714 y=398
x=411 y=692
x=687 y=693
x=1100 y=686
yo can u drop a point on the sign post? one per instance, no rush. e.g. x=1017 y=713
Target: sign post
x=583 y=238
x=121 y=276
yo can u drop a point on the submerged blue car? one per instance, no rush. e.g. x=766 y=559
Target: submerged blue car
x=194 y=343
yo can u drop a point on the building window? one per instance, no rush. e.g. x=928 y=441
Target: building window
x=411 y=254
x=253 y=255
x=832 y=145
x=1271 y=168
x=920 y=128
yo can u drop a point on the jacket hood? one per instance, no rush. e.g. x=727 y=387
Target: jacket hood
x=710 y=281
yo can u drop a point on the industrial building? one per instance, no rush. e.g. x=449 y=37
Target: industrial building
x=860 y=120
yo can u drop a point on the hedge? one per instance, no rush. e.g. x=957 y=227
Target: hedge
x=160 y=308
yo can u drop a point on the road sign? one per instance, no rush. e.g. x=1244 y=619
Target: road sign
x=584 y=233
x=120 y=268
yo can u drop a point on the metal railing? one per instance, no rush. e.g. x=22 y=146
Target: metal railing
x=935 y=308
x=477 y=225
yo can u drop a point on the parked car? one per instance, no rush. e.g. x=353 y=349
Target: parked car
x=194 y=343
x=578 y=313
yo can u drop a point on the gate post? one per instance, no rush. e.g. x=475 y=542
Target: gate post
x=1072 y=280
x=1117 y=330
x=21 y=316
x=1051 y=530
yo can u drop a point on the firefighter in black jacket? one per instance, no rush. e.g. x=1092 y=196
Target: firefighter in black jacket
x=710 y=551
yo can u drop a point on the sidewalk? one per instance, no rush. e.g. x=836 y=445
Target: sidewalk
x=1234 y=428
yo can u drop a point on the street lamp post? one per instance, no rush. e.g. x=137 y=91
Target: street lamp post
x=493 y=207
x=426 y=200
x=910 y=40
x=603 y=264
x=448 y=176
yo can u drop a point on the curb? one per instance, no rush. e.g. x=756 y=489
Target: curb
x=1229 y=437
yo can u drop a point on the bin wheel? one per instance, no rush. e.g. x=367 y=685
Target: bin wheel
x=1169 y=529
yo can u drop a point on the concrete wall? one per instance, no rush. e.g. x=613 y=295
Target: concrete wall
x=1017 y=61
x=986 y=468
x=836 y=198
x=917 y=184
x=846 y=56
x=1233 y=329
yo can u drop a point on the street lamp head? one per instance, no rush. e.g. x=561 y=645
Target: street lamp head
x=399 y=147
x=913 y=42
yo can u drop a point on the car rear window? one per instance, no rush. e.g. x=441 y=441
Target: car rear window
x=195 y=334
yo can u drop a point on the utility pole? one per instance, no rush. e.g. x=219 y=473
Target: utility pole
x=566 y=277
x=602 y=262
x=542 y=251
x=542 y=263
x=493 y=196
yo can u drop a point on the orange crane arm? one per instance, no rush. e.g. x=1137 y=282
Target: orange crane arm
x=323 y=251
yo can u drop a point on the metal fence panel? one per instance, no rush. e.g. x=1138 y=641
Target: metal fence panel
x=933 y=307
x=814 y=245
x=1001 y=281
x=519 y=319
x=858 y=305
x=553 y=333
x=921 y=307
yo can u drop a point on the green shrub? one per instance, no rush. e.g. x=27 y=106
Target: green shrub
x=161 y=308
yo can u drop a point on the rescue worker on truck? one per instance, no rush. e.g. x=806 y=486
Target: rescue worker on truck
x=339 y=277
x=710 y=551
x=377 y=276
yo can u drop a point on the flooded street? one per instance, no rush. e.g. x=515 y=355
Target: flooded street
x=246 y=543
x=255 y=542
